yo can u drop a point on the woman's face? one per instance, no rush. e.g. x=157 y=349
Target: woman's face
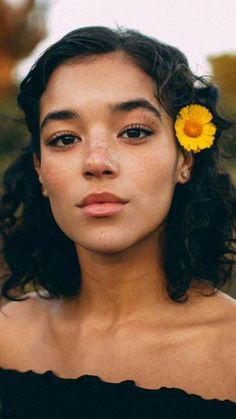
x=103 y=132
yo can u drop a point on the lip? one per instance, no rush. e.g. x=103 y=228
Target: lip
x=101 y=198
x=102 y=204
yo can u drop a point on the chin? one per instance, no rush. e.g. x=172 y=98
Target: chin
x=104 y=248
x=106 y=243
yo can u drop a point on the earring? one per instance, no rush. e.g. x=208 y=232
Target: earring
x=184 y=175
x=44 y=191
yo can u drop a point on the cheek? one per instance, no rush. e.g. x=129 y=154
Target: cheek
x=159 y=173
x=56 y=177
x=57 y=182
x=156 y=183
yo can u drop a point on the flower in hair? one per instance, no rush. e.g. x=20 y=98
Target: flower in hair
x=194 y=129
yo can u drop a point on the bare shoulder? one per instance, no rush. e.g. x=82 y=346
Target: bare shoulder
x=227 y=344
x=19 y=322
x=208 y=353
x=25 y=309
x=223 y=354
x=218 y=313
x=224 y=308
x=217 y=308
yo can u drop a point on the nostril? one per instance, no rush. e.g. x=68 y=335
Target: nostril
x=98 y=173
x=89 y=174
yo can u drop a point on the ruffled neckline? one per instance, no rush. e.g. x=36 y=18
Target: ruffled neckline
x=130 y=384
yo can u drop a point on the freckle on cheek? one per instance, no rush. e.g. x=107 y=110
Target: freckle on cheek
x=53 y=178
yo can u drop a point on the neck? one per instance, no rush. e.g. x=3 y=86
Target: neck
x=121 y=286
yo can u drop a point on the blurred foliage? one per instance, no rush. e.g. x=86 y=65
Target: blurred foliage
x=13 y=132
x=224 y=75
x=22 y=27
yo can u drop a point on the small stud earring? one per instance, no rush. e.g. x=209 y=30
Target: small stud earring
x=44 y=191
x=185 y=175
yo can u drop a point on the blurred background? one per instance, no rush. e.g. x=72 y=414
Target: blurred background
x=204 y=30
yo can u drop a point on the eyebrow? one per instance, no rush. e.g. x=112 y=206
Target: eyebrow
x=127 y=106
x=60 y=115
x=133 y=104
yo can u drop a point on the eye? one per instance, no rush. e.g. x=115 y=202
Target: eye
x=136 y=132
x=62 y=140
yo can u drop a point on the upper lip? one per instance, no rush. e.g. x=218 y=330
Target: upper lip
x=101 y=197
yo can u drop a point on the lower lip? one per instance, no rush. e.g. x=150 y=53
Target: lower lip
x=105 y=209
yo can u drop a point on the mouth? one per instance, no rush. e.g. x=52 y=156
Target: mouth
x=102 y=204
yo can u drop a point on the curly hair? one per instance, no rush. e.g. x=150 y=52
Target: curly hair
x=198 y=242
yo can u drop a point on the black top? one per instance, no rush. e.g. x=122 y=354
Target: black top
x=30 y=395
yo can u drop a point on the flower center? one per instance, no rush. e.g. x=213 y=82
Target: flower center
x=192 y=128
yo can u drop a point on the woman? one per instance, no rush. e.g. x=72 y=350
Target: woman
x=122 y=219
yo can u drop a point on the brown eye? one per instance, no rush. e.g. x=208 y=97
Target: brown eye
x=136 y=132
x=63 y=140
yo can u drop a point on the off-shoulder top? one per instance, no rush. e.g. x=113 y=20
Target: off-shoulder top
x=29 y=395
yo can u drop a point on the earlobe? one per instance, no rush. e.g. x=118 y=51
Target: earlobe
x=37 y=167
x=44 y=191
x=36 y=161
x=184 y=176
x=186 y=167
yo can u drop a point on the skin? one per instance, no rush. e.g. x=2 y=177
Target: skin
x=122 y=325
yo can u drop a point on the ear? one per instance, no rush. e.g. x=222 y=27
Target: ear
x=185 y=166
x=37 y=167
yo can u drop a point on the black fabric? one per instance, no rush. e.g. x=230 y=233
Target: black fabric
x=42 y=396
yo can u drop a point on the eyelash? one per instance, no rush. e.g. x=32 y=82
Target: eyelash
x=52 y=142
x=137 y=127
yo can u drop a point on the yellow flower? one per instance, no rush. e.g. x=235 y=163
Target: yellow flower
x=194 y=129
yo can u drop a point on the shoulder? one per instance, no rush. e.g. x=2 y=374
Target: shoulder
x=20 y=321
x=207 y=353
x=220 y=310
x=213 y=308
x=217 y=315
x=225 y=309
x=25 y=309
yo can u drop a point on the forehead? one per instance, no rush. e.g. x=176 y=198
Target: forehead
x=99 y=80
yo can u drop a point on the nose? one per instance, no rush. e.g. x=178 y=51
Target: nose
x=99 y=162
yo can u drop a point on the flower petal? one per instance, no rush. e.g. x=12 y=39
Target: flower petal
x=202 y=116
